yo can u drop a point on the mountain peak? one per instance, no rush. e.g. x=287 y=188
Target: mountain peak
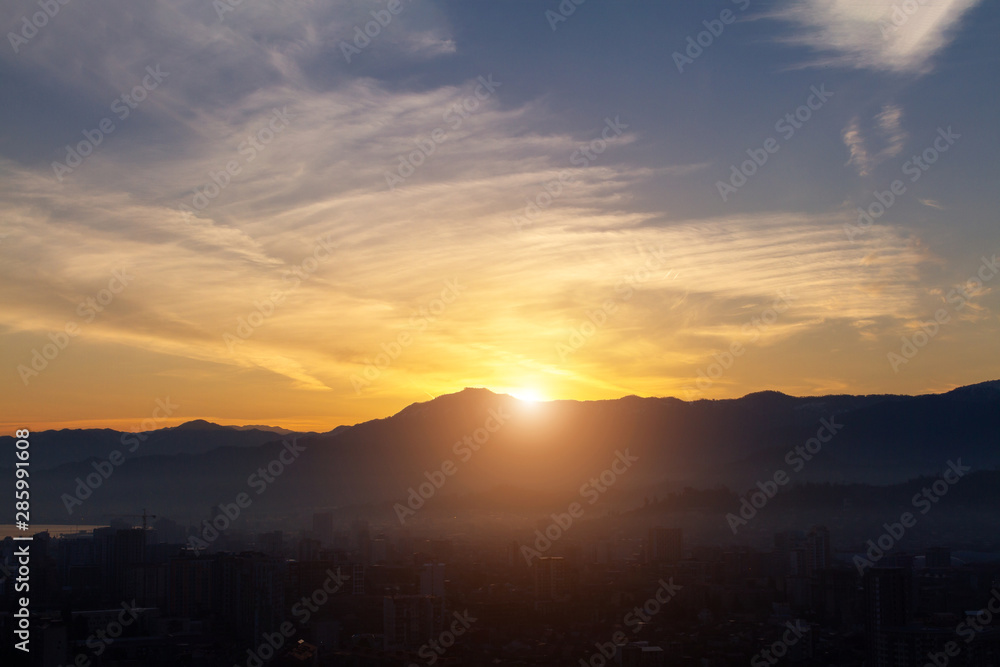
x=767 y=394
x=467 y=395
x=475 y=391
x=260 y=427
x=200 y=425
x=982 y=391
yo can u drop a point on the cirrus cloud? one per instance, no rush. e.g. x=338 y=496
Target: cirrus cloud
x=878 y=34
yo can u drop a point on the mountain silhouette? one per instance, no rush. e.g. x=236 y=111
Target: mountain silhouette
x=541 y=454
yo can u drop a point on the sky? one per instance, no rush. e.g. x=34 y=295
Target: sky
x=317 y=212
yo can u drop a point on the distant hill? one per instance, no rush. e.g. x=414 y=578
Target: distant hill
x=54 y=448
x=543 y=453
x=260 y=427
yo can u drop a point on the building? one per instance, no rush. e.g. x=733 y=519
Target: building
x=551 y=578
x=410 y=621
x=190 y=587
x=432 y=579
x=309 y=549
x=640 y=654
x=272 y=543
x=817 y=547
x=665 y=545
x=888 y=602
x=938 y=557
x=323 y=527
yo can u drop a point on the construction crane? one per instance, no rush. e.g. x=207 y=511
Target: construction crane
x=144 y=516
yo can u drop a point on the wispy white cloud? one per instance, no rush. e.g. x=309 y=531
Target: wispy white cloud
x=428 y=44
x=325 y=175
x=891 y=128
x=890 y=136
x=875 y=34
x=855 y=143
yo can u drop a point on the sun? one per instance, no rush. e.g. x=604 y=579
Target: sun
x=526 y=390
x=527 y=394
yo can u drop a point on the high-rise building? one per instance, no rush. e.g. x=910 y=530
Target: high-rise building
x=272 y=543
x=888 y=604
x=409 y=621
x=309 y=549
x=432 y=579
x=551 y=578
x=323 y=527
x=190 y=582
x=938 y=557
x=146 y=584
x=116 y=550
x=665 y=545
x=379 y=550
x=801 y=555
x=640 y=654
x=836 y=596
x=248 y=592
x=817 y=547
x=358 y=579
x=362 y=541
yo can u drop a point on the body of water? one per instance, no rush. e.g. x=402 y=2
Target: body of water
x=10 y=530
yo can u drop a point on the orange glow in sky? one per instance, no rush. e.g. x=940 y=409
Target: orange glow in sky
x=308 y=246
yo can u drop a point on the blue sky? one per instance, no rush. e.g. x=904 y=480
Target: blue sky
x=261 y=96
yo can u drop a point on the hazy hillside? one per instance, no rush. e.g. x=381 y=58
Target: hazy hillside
x=542 y=453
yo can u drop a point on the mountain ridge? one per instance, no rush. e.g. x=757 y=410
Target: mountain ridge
x=550 y=446
x=988 y=388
